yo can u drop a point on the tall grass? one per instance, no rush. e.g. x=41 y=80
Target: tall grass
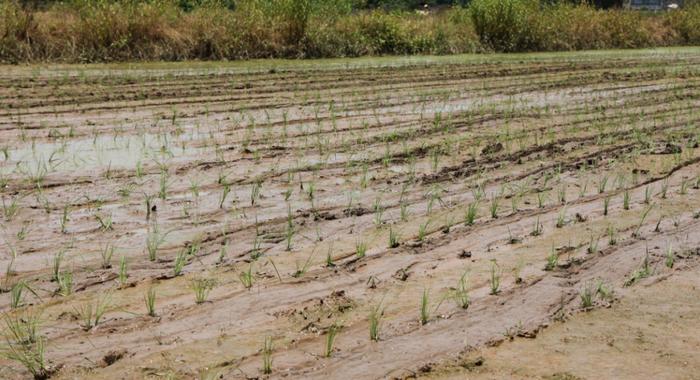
x=121 y=30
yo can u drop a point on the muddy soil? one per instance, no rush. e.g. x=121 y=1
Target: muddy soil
x=500 y=217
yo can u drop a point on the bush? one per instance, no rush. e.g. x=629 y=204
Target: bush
x=686 y=24
x=16 y=27
x=503 y=25
x=121 y=30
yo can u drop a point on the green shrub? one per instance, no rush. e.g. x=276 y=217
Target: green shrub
x=503 y=25
x=686 y=24
x=122 y=30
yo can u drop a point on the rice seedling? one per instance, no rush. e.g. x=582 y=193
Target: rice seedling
x=31 y=356
x=302 y=269
x=256 y=252
x=626 y=200
x=470 y=215
x=65 y=283
x=425 y=307
x=495 y=278
x=643 y=272
x=56 y=265
x=612 y=235
x=561 y=218
x=150 y=299
x=670 y=257
x=330 y=340
x=123 y=276
x=329 y=257
x=537 y=228
x=552 y=260
x=10 y=209
x=461 y=292
x=105 y=222
x=180 y=261
x=201 y=288
x=22 y=328
x=375 y=318
x=593 y=245
x=562 y=194
x=647 y=195
x=360 y=249
x=247 y=278
x=90 y=314
x=393 y=238
x=289 y=232
x=16 y=293
x=422 y=231
x=404 y=212
x=154 y=239
x=163 y=185
x=541 y=199
x=449 y=223
x=267 y=356
x=378 y=212
x=106 y=256
x=602 y=184
x=586 y=294
x=664 y=188
x=684 y=187
x=642 y=218
x=63 y=222
x=494 y=207
x=606 y=204
x=257 y=188
x=225 y=191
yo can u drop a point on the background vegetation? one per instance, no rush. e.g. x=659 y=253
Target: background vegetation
x=120 y=30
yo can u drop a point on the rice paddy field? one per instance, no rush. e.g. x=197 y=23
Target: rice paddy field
x=484 y=216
